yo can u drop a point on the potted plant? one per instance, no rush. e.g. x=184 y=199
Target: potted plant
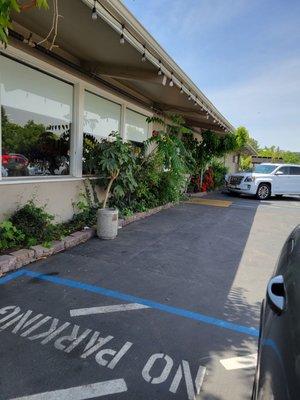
x=114 y=166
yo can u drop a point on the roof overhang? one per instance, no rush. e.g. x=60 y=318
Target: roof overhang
x=94 y=46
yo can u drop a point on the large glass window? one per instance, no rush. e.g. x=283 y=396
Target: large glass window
x=101 y=118
x=136 y=127
x=36 y=116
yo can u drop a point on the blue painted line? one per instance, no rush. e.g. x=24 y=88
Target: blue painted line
x=12 y=276
x=133 y=299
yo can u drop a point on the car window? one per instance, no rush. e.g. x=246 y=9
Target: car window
x=295 y=170
x=264 y=169
x=285 y=170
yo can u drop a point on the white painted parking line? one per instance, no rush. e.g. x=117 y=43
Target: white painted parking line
x=106 y=309
x=239 y=362
x=81 y=392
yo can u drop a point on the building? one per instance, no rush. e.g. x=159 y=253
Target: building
x=68 y=77
x=259 y=160
x=233 y=160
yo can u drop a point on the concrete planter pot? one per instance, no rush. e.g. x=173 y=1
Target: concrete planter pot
x=107 y=223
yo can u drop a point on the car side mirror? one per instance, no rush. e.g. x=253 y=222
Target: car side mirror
x=279 y=173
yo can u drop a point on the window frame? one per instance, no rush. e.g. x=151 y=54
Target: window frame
x=63 y=80
x=80 y=85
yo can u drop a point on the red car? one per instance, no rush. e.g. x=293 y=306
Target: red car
x=16 y=158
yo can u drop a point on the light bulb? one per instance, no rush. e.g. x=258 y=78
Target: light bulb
x=94 y=13
x=122 y=40
x=181 y=90
x=144 y=55
x=164 y=80
x=190 y=97
x=159 y=71
x=171 y=83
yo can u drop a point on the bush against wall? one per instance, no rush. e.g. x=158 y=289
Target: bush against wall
x=204 y=152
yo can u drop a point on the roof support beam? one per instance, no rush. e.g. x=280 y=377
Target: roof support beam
x=123 y=72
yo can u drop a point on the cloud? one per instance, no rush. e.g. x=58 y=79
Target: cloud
x=268 y=105
x=243 y=54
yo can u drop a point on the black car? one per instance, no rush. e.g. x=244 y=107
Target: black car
x=277 y=374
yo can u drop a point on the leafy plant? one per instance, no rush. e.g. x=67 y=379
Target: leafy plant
x=35 y=224
x=114 y=164
x=10 y=236
x=7 y=7
x=219 y=172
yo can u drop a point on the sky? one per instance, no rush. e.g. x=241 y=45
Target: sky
x=243 y=54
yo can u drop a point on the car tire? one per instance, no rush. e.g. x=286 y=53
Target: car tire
x=279 y=196
x=263 y=191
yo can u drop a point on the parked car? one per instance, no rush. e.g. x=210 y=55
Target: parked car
x=17 y=158
x=14 y=164
x=278 y=363
x=267 y=180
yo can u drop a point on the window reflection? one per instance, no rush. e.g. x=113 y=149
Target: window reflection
x=136 y=127
x=36 y=114
x=101 y=118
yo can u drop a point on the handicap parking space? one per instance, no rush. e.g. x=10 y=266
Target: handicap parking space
x=68 y=338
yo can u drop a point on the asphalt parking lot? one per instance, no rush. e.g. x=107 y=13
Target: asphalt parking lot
x=168 y=310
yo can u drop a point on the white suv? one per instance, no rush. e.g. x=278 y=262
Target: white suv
x=267 y=180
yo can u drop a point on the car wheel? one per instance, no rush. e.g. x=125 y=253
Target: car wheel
x=263 y=191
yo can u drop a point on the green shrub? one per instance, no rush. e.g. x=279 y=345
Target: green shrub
x=10 y=236
x=219 y=172
x=114 y=164
x=35 y=224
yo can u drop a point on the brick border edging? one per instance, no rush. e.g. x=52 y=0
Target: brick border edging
x=19 y=258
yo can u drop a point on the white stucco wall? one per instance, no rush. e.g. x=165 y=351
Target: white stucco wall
x=58 y=197
x=229 y=162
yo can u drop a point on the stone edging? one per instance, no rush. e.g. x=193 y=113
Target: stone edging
x=19 y=258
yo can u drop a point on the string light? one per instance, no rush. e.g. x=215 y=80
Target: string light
x=94 y=12
x=122 y=39
x=159 y=71
x=144 y=55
